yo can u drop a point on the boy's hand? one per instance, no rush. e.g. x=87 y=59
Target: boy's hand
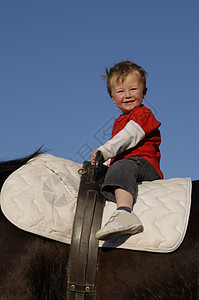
x=93 y=156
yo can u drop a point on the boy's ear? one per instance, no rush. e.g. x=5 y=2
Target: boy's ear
x=145 y=91
x=113 y=99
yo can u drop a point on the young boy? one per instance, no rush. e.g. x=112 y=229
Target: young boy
x=133 y=148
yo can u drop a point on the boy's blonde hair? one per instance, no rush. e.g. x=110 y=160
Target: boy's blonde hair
x=121 y=70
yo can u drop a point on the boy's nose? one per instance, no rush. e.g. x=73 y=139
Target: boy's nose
x=128 y=94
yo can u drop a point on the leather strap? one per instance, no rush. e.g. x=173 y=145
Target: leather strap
x=82 y=264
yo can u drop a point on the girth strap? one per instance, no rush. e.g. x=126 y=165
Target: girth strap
x=82 y=264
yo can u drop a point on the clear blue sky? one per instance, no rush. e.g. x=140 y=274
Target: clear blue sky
x=53 y=54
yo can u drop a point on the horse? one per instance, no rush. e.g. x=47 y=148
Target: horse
x=34 y=267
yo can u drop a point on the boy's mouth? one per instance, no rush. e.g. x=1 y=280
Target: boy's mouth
x=129 y=101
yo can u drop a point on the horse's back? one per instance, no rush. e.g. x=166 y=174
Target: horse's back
x=36 y=268
x=124 y=274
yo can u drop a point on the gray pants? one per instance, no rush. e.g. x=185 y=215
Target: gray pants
x=125 y=174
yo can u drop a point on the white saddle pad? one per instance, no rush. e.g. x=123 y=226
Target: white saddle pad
x=40 y=197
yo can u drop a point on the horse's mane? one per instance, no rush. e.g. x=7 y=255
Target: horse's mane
x=8 y=167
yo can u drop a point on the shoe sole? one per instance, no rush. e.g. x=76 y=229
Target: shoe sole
x=112 y=235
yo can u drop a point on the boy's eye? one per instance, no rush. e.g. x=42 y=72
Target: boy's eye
x=120 y=91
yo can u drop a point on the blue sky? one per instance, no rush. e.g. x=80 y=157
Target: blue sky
x=53 y=54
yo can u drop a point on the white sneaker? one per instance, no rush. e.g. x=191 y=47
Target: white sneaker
x=121 y=222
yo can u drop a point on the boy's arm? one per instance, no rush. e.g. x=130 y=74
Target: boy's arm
x=127 y=138
x=93 y=156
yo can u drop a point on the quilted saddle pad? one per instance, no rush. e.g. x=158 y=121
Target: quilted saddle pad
x=40 y=197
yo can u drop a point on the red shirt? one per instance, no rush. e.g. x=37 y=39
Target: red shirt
x=148 y=146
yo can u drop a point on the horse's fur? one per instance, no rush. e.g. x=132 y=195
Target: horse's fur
x=33 y=267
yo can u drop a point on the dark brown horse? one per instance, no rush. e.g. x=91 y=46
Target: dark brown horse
x=33 y=267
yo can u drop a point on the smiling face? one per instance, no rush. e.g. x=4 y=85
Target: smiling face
x=127 y=94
